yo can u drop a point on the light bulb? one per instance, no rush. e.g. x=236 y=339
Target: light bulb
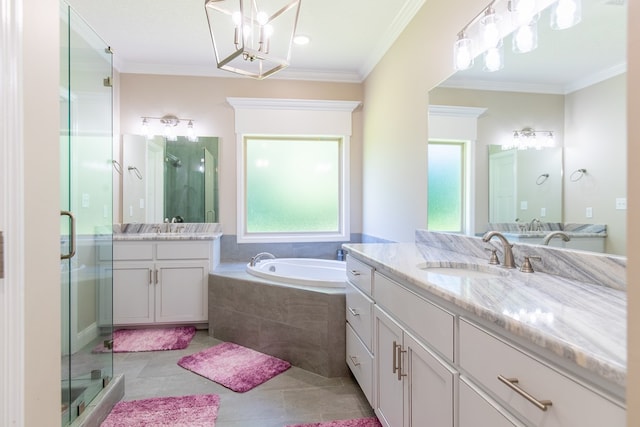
x=462 y=53
x=493 y=59
x=191 y=134
x=525 y=39
x=524 y=10
x=490 y=29
x=146 y=131
x=236 y=17
x=566 y=14
x=262 y=18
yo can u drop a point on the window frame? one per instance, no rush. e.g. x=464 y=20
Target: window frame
x=343 y=232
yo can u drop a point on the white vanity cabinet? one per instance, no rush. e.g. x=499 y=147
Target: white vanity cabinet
x=359 y=316
x=160 y=282
x=413 y=385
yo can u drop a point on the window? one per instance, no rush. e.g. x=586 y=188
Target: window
x=294 y=189
x=446 y=186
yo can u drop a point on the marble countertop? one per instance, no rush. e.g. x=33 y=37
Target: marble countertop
x=165 y=236
x=583 y=324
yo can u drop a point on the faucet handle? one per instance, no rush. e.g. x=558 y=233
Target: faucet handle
x=526 y=265
x=493 y=259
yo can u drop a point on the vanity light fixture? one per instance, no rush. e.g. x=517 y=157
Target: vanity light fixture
x=169 y=124
x=252 y=37
x=484 y=33
x=530 y=138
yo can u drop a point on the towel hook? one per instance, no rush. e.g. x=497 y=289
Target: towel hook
x=542 y=178
x=135 y=169
x=577 y=174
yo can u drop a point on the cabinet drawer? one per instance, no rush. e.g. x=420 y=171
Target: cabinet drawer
x=360 y=274
x=485 y=357
x=360 y=362
x=132 y=251
x=360 y=313
x=431 y=323
x=474 y=407
x=182 y=250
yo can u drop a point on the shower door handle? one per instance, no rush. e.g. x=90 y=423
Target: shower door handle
x=72 y=240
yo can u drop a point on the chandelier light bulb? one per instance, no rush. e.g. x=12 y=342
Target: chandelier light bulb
x=236 y=17
x=523 y=10
x=262 y=18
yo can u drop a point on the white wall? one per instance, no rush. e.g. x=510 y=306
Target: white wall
x=596 y=140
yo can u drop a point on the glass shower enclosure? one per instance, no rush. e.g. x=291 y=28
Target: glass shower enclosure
x=86 y=139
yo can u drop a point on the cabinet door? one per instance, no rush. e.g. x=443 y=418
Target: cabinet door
x=181 y=291
x=388 y=388
x=132 y=293
x=428 y=387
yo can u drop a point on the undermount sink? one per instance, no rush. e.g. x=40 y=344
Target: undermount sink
x=461 y=269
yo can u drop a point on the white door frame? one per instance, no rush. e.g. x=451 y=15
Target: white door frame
x=12 y=286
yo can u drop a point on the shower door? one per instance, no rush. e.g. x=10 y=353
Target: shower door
x=86 y=213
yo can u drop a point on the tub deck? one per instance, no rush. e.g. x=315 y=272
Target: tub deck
x=303 y=325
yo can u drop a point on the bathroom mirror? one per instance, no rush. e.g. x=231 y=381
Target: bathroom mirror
x=165 y=179
x=573 y=84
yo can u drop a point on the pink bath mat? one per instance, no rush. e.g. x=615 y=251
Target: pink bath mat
x=196 y=410
x=360 y=422
x=132 y=340
x=233 y=366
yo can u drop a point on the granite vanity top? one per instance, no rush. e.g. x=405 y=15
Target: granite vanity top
x=165 y=231
x=582 y=323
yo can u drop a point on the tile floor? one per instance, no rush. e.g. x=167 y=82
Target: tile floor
x=295 y=396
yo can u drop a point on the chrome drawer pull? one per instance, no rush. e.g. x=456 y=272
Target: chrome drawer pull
x=353 y=311
x=400 y=351
x=354 y=360
x=395 y=357
x=512 y=384
x=355 y=272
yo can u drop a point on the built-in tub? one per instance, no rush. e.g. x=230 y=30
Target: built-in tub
x=303 y=324
x=302 y=271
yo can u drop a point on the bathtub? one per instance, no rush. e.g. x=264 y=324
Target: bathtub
x=302 y=271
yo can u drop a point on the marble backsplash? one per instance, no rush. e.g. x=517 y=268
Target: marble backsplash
x=177 y=227
x=588 y=267
x=518 y=227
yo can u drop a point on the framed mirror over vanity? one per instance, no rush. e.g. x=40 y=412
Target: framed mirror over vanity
x=573 y=86
x=169 y=179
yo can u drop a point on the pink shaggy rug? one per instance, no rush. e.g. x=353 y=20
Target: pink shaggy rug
x=197 y=410
x=235 y=367
x=360 y=422
x=132 y=340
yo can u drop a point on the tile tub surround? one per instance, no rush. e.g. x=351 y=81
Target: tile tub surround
x=172 y=231
x=578 y=325
x=304 y=326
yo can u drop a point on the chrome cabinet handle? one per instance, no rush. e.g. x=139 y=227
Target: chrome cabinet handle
x=512 y=384
x=399 y=357
x=72 y=239
x=156 y=276
x=353 y=311
x=150 y=276
x=355 y=272
x=354 y=360
x=395 y=357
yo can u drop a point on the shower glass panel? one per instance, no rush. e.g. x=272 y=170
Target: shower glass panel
x=86 y=227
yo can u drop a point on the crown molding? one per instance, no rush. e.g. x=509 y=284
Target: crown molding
x=292 y=104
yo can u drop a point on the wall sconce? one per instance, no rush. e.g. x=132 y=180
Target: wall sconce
x=530 y=138
x=169 y=124
x=252 y=37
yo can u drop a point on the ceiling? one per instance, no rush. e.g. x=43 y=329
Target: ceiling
x=172 y=37
x=349 y=37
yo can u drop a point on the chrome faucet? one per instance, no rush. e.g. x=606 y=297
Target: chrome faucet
x=535 y=222
x=257 y=258
x=560 y=234
x=508 y=253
